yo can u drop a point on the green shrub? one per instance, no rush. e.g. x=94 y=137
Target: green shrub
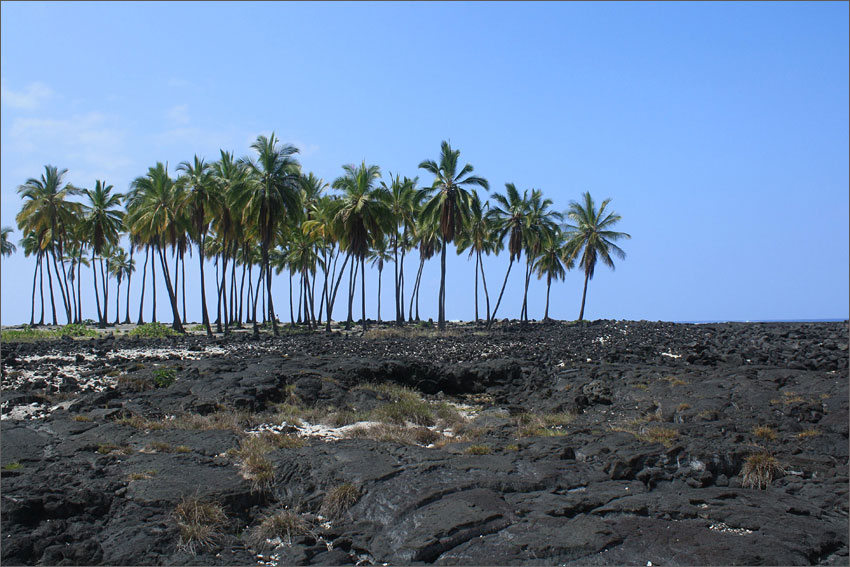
x=164 y=377
x=77 y=330
x=13 y=466
x=153 y=331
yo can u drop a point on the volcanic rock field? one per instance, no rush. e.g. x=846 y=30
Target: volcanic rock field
x=612 y=442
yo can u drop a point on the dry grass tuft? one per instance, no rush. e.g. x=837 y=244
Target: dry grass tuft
x=675 y=381
x=112 y=449
x=478 y=450
x=759 y=470
x=338 y=500
x=280 y=525
x=764 y=432
x=141 y=476
x=392 y=433
x=542 y=425
x=200 y=522
x=807 y=433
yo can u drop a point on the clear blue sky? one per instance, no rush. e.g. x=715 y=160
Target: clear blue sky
x=719 y=130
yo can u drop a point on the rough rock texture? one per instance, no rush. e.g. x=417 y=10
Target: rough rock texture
x=647 y=468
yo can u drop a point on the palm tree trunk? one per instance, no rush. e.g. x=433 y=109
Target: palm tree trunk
x=548 y=285
x=242 y=291
x=351 y=275
x=442 y=309
x=524 y=314
x=300 y=293
x=105 y=280
x=233 y=303
x=363 y=290
x=499 y=301
x=117 y=310
x=66 y=291
x=401 y=285
x=61 y=288
x=41 y=284
x=52 y=300
x=96 y=291
x=144 y=277
x=338 y=278
x=205 y=315
x=73 y=296
x=32 y=306
x=380 y=270
x=172 y=295
x=127 y=300
x=79 y=283
x=183 y=270
x=476 y=287
x=223 y=293
x=153 y=295
x=414 y=293
x=397 y=283
x=484 y=281
x=272 y=315
x=583 y=296
x=256 y=328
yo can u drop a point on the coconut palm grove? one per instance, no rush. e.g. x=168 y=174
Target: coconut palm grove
x=260 y=217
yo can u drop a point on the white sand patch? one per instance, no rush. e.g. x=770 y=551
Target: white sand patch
x=671 y=355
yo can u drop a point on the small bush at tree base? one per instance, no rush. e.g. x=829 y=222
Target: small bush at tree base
x=164 y=377
x=153 y=331
x=283 y=525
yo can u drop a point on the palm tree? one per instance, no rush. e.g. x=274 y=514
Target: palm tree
x=591 y=238
x=6 y=245
x=49 y=213
x=120 y=265
x=154 y=217
x=31 y=244
x=402 y=198
x=449 y=206
x=268 y=200
x=479 y=237
x=551 y=262
x=379 y=256
x=363 y=217
x=427 y=240
x=323 y=226
x=540 y=225
x=201 y=200
x=509 y=220
x=102 y=224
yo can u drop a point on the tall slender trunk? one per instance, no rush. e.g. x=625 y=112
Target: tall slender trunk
x=104 y=277
x=242 y=290
x=442 y=321
x=397 y=284
x=583 y=296
x=96 y=291
x=499 y=301
x=548 y=285
x=414 y=293
x=524 y=314
x=272 y=315
x=183 y=270
x=32 y=305
x=300 y=292
x=52 y=299
x=234 y=305
x=291 y=308
x=476 y=286
x=204 y=313
x=61 y=288
x=153 y=295
x=401 y=283
x=129 y=279
x=176 y=323
x=332 y=298
x=66 y=291
x=73 y=296
x=41 y=284
x=223 y=293
x=363 y=290
x=256 y=300
x=79 y=283
x=380 y=270
x=117 y=310
x=484 y=281
x=351 y=275
x=144 y=277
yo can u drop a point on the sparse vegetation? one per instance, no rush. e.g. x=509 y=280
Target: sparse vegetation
x=764 y=432
x=478 y=450
x=200 y=523
x=542 y=425
x=759 y=470
x=14 y=466
x=164 y=377
x=807 y=433
x=153 y=331
x=27 y=333
x=82 y=418
x=392 y=433
x=141 y=476
x=280 y=525
x=338 y=500
x=112 y=449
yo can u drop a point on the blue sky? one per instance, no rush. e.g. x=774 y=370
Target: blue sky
x=719 y=130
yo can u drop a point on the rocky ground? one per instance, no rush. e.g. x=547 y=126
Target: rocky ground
x=608 y=443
